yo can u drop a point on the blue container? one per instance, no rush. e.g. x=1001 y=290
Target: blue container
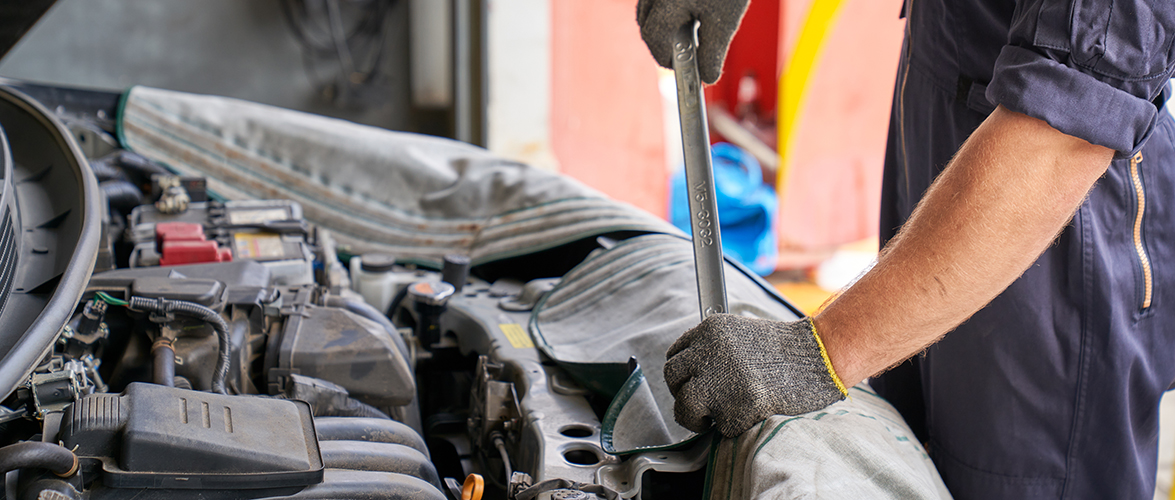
x=746 y=208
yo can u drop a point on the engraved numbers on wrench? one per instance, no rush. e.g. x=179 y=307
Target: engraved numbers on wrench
x=704 y=223
x=684 y=53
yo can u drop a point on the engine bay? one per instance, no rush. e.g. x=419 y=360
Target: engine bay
x=230 y=349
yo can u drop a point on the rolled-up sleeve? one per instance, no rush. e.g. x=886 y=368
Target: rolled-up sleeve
x=1093 y=69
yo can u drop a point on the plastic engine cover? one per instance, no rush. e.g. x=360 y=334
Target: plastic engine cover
x=344 y=348
x=174 y=438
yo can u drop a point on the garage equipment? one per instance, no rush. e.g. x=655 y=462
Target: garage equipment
x=699 y=172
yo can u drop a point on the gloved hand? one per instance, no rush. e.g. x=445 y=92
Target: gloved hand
x=738 y=371
x=660 y=19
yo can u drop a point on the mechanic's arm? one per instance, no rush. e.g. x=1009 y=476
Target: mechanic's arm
x=997 y=206
x=1008 y=192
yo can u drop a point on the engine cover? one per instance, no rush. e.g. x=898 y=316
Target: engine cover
x=176 y=438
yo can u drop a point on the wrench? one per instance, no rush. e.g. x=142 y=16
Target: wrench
x=699 y=172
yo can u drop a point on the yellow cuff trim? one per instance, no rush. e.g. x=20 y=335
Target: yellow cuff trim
x=827 y=362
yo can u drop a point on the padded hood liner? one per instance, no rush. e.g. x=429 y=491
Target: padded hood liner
x=407 y=195
x=633 y=301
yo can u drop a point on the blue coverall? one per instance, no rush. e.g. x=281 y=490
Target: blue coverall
x=1052 y=390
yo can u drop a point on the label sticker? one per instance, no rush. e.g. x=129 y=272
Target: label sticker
x=516 y=335
x=258 y=246
x=257 y=216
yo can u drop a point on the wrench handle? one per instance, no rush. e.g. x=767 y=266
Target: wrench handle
x=699 y=173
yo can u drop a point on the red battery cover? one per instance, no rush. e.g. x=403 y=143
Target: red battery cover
x=181 y=243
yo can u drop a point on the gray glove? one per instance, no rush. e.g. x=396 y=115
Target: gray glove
x=738 y=371
x=660 y=19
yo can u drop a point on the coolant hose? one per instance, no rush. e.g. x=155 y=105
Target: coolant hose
x=367 y=311
x=192 y=309
x=35 y=454
x=163 y=363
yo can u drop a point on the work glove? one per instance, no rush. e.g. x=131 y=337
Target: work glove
x=660 y=19
x=737 y=371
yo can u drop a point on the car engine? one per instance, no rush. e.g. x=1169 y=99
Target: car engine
x=229 y=349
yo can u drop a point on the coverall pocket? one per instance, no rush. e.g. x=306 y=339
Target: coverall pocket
x=1129 y=44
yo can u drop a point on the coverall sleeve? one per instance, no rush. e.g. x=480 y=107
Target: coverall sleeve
x=1093 y=69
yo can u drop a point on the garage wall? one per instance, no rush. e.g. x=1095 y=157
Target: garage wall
x=606 y=125
x=224 y=47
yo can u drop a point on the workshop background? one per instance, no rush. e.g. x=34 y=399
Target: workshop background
x=561 y=85
x=564 y=85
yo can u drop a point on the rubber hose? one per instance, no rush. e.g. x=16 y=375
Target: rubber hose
x=140 y=164
x=202 y=313
x=368 y=429
x=49 y=488
x=104 y=171
x=122 y=195
x=163 y=363
x=367 y=311
x=35 y=454
x=395 y=303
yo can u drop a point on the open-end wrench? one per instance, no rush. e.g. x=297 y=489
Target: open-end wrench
x=699 y=172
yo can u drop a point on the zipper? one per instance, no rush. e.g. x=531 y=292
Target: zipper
x=1143 y=259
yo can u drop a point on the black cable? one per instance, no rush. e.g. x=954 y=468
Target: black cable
x=165 y=306
x=35 y=454
x=500 y=444
x=395 y=303
x=491 y=478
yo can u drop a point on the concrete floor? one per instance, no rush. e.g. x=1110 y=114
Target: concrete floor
x=224 y=47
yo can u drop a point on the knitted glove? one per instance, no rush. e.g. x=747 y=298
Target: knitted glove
x=660 y=19
x=737 y=371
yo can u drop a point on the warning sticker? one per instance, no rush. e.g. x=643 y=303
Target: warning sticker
x=238 y=216
x=516 y=335
x=259 y=246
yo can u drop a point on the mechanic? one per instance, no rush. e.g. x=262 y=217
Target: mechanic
x=1030 y=170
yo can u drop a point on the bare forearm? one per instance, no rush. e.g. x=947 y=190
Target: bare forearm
x=996 y=207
